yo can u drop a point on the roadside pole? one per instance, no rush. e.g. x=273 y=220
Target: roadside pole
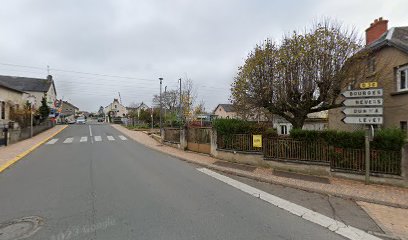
x=367 y=154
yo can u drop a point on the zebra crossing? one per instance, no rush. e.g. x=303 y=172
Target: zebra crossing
x=85 y=139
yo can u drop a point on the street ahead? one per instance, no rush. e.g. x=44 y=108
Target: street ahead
x=91 y=182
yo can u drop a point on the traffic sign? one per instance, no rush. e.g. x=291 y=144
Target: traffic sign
x=363 y=120
x=363 y=93
x=359 y=102
x=363 y=111
x=368 y=85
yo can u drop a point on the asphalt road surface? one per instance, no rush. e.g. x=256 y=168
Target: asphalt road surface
x=91 y=182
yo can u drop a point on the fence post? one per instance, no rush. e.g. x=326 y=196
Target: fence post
x=183 y=138
x=404 y=161
x=213 y=141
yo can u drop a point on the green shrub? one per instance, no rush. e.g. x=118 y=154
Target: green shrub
x=388 y=139
x=384 y=139
x=231 y=126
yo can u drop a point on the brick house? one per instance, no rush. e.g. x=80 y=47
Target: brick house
x=387 y=64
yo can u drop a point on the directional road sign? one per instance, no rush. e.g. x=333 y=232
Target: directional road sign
x=363 y=111
x=359 y=102
x=363 y=120
x=363 y=93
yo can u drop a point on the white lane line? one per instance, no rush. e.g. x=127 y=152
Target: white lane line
x=83 y=139
x=122 y=137
x=90 y=131
x=69 y=140
x=52 y=141
x=98 y=138
x=110 y=138
x=307 y=214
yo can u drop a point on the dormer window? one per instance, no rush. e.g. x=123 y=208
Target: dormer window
x=402 y=79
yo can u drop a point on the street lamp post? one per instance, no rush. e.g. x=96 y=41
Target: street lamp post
x=161 y=126
x=165 y=107
x=31 y=100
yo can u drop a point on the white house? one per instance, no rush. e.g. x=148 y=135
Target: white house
x=10 y=98
x=115 y=109
x=36 y=87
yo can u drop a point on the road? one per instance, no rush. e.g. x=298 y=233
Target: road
x=116 y=188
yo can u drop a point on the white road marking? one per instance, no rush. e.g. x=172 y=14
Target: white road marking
x=307 y=214
x=69 y=140
x=110 y=138
x=90 y=131
x=98 y=138
x=83 y=139
x=122 y=137
x=52 y=141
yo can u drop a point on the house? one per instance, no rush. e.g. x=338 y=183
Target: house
x=35 y=87
x=314 y=121
x=225 y=111
x=387 y=64
x=135 y=111
x=68 y=109
x=10 y=98
x=115 y=109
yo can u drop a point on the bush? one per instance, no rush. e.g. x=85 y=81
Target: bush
x=384 y=139
x=388 y=139
x=236 y=126
x=231 y=126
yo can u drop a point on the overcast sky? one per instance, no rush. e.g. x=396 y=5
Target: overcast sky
x=144 y=40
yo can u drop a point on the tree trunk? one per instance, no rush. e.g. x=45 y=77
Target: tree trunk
x=297 y=122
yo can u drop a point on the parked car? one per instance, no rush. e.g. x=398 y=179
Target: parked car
x=101 y=120
x=80 y=120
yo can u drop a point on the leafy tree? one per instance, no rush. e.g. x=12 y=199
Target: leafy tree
x=303 y=74
x=200 y=108
x=44 y=110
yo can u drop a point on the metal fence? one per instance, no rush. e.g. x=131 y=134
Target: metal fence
x=237 y=142
x=289 y=149
x=172 y=135
x=353 y=160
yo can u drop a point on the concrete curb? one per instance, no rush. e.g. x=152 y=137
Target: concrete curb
x=267 y=180
x=23 y=154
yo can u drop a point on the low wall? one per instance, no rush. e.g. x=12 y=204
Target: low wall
x=300 y=167
x=15 y=135
x=239 y=157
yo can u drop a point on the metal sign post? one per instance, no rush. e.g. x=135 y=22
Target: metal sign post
x=364 y=106
x=367 y=155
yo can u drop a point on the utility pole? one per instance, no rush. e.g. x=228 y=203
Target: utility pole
x=180 y=110
x=161 y=126
x=151 y=115
x=165 y=107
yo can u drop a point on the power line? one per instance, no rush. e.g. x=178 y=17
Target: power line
x=77 y=72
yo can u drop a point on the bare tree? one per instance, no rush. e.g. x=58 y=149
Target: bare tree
x=303 y=74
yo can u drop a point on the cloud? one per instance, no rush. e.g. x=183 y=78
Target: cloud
x=207 y=40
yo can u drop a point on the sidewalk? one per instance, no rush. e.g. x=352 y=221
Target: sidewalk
x=16 y=151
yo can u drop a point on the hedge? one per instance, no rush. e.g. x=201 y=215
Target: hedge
x=229 y=127
x=384 y=139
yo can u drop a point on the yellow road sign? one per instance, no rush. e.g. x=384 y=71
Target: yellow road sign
x=257 y=141
x=369 y=85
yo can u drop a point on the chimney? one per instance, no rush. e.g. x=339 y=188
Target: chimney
x=49 y=77
x=376 y=29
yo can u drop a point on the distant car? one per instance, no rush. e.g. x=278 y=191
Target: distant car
x=101 y=120
x=80 y=120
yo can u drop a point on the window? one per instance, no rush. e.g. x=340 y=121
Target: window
x=403 y=125
x=402 y=79
x=3 y=110
x=284 y=130
x=371 y=65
